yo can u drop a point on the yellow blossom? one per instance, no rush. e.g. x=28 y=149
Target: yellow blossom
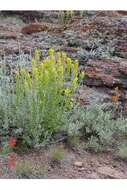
x=82 y=74
x=22 y=71
x=37 y=54
x=74 y=83
x=67 y=91
x=35 y=73
x=51 y=51
x=68 y=60
x=33 y=62
x=46 y=76
x=26 y=85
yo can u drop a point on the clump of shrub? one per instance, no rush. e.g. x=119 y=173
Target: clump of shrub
x=122 y=151
x=57 y=155
x=96 y=126
x=73 y=141
x=24 y=169
x=35 y=100
x=37 y=103
x=28 y=169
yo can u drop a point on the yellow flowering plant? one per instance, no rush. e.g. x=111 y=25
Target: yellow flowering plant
x=45 y=93
x=65 y=16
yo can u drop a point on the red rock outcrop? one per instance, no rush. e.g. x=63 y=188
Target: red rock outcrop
x=34 y=27
x=106 y=73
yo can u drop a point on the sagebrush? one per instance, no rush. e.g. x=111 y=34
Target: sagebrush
x=96 y=126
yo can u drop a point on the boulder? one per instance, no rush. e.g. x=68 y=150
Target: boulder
x=33 y=28
x=101 y=73
x=122 y=13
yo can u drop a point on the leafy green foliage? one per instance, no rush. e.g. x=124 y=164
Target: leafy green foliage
x=28 y=169
x=38 y=98
x=38 y=102
x=6 y=109
x=57 y=154
x=96 y=126
x=122 y=151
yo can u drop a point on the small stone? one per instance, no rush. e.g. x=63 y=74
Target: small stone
x=81 y=169
x=78 y=164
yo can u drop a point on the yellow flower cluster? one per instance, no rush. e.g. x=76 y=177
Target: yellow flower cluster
x=51 y=73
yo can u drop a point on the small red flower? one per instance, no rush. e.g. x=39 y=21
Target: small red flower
x=12 y=142
x=11 y=164
x=11 y=155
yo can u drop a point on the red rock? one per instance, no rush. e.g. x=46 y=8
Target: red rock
x=33 y=28
x=106 y=66
x=105 y=73
x=122 y=13
x=8 y=35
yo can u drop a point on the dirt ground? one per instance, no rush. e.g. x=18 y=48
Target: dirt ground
x=77 y=163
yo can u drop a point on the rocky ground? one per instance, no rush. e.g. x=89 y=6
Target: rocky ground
x=76 y=163
x=99 y=41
